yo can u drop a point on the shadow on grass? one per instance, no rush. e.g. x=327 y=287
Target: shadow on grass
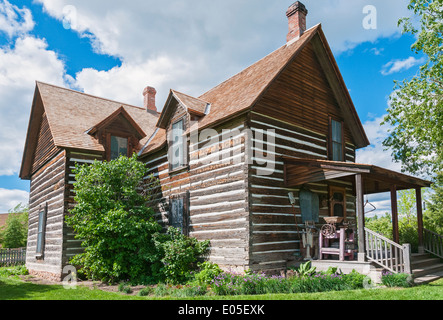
x=15 y=289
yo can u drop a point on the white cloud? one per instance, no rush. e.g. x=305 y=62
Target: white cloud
x=126 y=83
x=13 y=20
x=376 y=154
x=9 y=199
x=20 y=66
x=395 y=66
x=211 y=39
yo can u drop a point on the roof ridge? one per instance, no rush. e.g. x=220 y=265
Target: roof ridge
x=248 y=67
x=89 y=95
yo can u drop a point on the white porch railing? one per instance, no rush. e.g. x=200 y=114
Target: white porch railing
x=433 y=243
x=388 y=254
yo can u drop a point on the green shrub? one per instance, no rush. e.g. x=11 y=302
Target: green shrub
x=208 y=271
x=162 y=290
x=305 y=270
x=304 y=282
x=125 y=288
x=401 y=280
x=113 y=221
x=121 y=238
x=356 y=280
x=146 y=291
x=14 y=271
x=179 y=255
x=188 y=291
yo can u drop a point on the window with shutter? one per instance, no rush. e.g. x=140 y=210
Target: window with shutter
x=41 y=233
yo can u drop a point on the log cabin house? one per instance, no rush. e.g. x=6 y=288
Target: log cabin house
x=244 y=165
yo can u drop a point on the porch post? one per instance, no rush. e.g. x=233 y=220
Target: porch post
x=394 y=209
x=419 y=199
x=359 y=201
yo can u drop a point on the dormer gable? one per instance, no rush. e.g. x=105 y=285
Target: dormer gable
x=193 y=107
x=119 y=130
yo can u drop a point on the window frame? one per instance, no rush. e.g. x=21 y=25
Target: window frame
x=41 y=232
x=184 y=155
x=332 y=202
x=118 y=137
x=331 y=142
x=185 y=214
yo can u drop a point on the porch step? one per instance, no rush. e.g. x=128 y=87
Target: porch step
x=426 y=268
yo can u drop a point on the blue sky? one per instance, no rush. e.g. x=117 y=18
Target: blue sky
x=114 y=50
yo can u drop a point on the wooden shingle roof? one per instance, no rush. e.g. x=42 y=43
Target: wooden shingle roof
x=71 y=115
x=241 y=92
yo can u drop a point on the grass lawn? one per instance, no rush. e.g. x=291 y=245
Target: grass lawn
x=13 y=288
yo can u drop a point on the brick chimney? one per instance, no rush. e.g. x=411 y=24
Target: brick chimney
x=149 y=95
x=296 y=14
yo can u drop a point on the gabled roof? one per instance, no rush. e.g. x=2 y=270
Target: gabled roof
x=193 y=105
x=139 y=133
x=241 y=92
x=71 y=114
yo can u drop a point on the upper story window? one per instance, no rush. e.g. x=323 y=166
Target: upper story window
x=177 y=147
x=119 y=147
x=336 y=143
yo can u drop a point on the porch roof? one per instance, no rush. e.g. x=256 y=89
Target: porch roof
x=375 y=179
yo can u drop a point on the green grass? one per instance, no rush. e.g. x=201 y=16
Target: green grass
x=13 y=288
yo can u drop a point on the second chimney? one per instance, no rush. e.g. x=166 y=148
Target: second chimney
x=296 y=14
x=149 y=98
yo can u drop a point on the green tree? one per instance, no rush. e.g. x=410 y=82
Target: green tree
x=416 y=105
x=433 y=216
x=113 y=221
x=15 y=233
x=380 y=224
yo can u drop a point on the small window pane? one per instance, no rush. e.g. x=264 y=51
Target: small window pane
x=339 y=210
x=176 y=219
x=336 y=131
x=338 y=196
x=177 y=151
x=40 y=234
x=119 y=147
x=337 y=152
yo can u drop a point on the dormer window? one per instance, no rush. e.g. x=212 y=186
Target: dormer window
x=119 y=147
x=119 y=134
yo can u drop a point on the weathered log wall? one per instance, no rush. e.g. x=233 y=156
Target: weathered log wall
x=216 y=181
x=47 y=191
x=275 y=238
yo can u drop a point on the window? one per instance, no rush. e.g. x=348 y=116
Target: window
x=309 y=205
x=41 y=233
x=119 y=147
x=337 y=202
x=177 y=147
x=336 y=143
x=178 y=216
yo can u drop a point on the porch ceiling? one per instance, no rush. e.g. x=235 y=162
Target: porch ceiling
x=375 y=179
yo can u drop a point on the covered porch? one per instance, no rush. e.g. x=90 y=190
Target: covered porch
x=366 y=180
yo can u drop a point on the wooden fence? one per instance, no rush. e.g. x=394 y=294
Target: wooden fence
x=12 y=257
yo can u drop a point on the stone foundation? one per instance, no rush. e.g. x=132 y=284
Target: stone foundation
x=46 y=275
